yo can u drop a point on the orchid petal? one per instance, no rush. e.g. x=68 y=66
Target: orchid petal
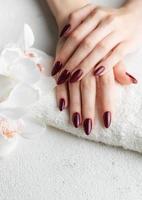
x=3 y=66
x=6 y=85
x=8 y=134
x=28 y=36
x=11 y=55
x=46 y=84
x=42 y=59
x=25 y=70
x=26 y=39
x=22 y=95
x=7 y=145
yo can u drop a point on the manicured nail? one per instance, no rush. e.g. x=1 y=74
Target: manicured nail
x=87 y=124
x=62 y=104
x=76 y=75
x=99 y=71
x=56 y=68
x=76 y=119
x=66 y=28
x=63 y=77
x=132 y=78
x=107 y=119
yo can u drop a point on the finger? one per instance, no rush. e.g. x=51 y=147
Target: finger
x=57 y=66
x=106 y=97
x=88 y=96
x=98 y=53
x=62 y=96
x=75 y=18
x=87 y=45
x=75 y=104
x=78 y=35
x=123 y=77
x=117 y=54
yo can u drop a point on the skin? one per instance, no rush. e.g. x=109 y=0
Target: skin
x=77 y=52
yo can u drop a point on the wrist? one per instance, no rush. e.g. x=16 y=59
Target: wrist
x=61 y=9
x=66 y=10
x=134 y=6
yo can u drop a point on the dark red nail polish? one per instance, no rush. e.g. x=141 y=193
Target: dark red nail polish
x=66 y=28
x=87 y=124
x=132 y=78
x=76 y=119
x=56 y=68
x=63 y=77
x=98 y=71
x=107 y=119
x=62 y=104
x=76 y=75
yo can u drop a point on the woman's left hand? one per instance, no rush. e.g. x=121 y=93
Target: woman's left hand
x=101 y=40
x=80 y=97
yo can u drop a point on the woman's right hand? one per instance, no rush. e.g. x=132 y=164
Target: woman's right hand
x=95 y=41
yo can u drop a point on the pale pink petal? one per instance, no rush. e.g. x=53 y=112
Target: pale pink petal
x=43 y=60
x=8 y=135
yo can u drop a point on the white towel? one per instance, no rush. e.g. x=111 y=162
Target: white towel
x=126 y=128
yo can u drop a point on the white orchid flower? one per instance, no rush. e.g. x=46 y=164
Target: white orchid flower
x=24 y=79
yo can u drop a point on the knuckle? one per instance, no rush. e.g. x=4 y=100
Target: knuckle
x=112 y=20
x=87 y=83
x=87 y=43
x=95 y=11
x=106 y=80
x=75 y=36
x=99 y=11
x=101 y=47
x=84 y=84
x=73 y=16
x=119 y=52
x=75 y=102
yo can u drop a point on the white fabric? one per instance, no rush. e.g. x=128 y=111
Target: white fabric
x=126 y=128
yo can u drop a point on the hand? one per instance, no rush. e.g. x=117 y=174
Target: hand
x=75 y=95
x=80 y=97
x=98 y=39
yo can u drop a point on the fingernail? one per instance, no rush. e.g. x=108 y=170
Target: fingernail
x=66 y=28
x=76 y=119
x=132 y=78
x=98 y=71
x=56 y=68
x=87 y=124
x=107 y=119
x=62 y=104
x=63 y=77
x=76 y=75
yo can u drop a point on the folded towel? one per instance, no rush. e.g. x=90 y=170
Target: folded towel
x=125 y=130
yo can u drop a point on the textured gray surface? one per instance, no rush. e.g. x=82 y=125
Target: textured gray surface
x=58 y=165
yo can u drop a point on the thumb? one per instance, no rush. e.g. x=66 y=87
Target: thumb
x=123 y=77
